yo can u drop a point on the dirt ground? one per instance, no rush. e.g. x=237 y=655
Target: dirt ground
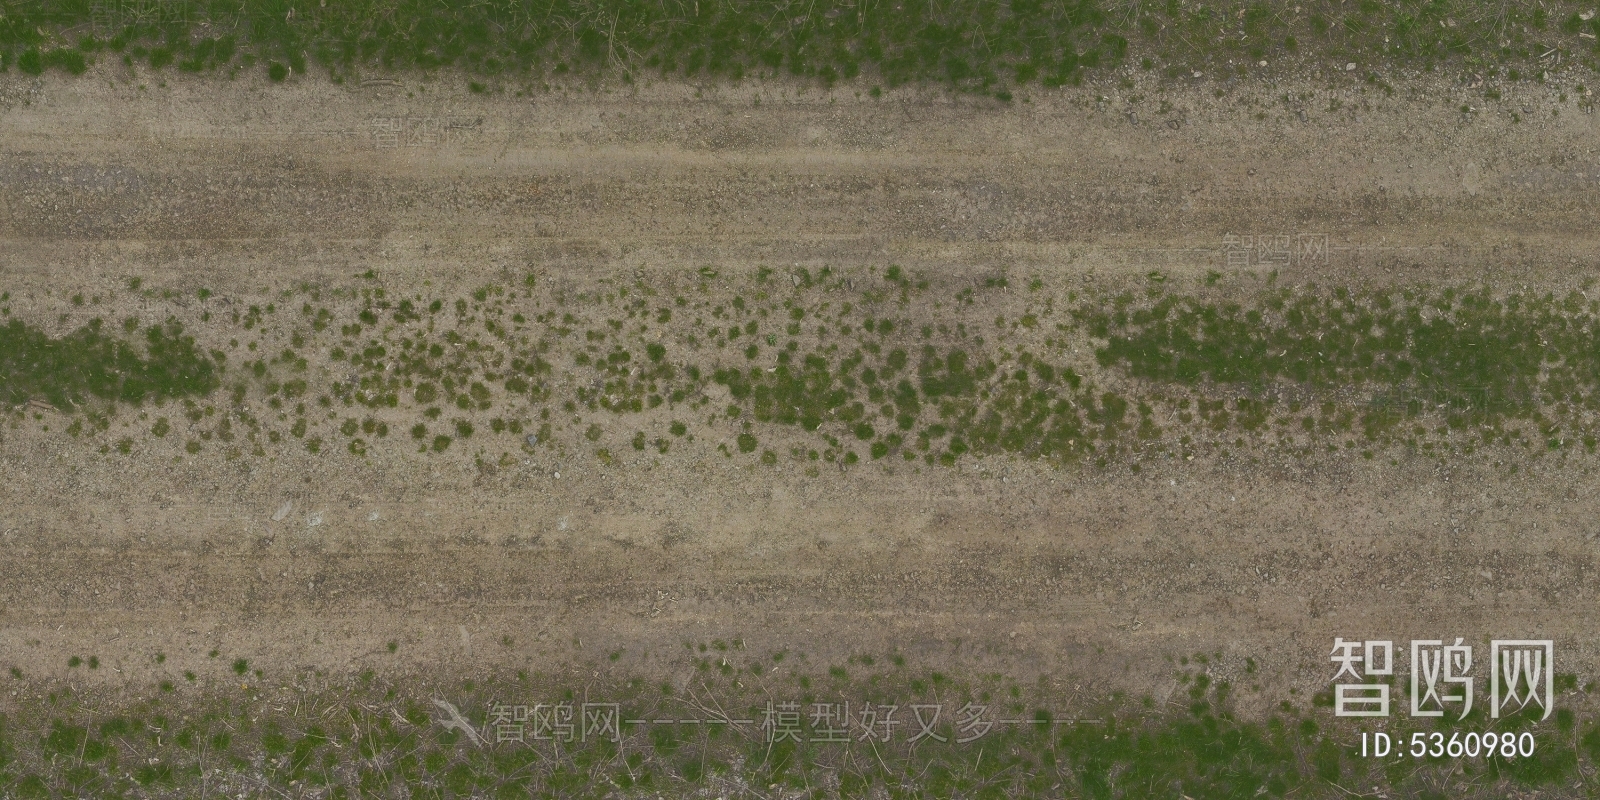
x=1090 y=581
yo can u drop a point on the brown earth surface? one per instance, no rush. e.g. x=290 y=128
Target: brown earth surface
x=1090 y=580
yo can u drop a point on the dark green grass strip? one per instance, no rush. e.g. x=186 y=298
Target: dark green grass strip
x=979 y=45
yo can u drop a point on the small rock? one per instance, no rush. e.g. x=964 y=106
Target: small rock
x=283 y=511
x=1350 y=67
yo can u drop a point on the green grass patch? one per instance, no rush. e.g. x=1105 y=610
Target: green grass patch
x=90 y=363
x=1471 y=350
x=981 y=46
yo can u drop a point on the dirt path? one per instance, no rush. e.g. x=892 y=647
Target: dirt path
x=1087 y=579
